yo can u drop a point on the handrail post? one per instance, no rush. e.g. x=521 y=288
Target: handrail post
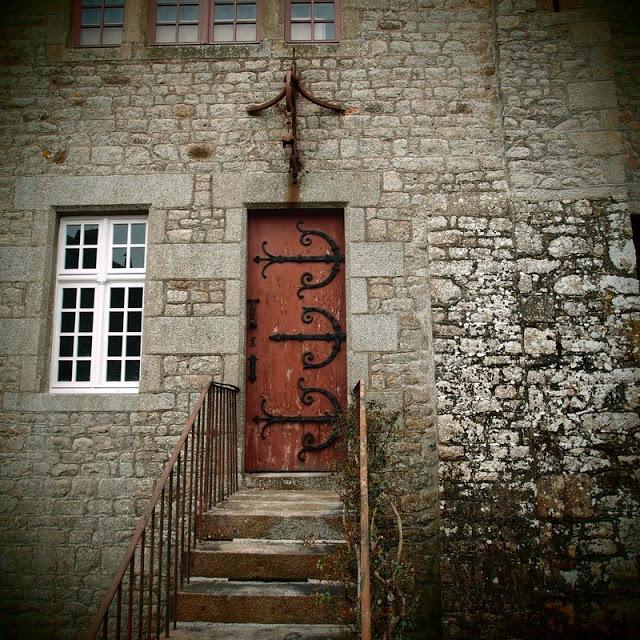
x=365 y=569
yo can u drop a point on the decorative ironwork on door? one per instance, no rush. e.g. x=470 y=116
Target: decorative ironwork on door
x=296 y=363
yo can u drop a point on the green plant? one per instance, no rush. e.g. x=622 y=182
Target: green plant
x=393 y=599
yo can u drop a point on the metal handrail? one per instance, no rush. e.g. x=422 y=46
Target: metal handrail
x=202 y=471
x=364 y=579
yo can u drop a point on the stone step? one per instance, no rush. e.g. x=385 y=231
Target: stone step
x=211 y=600
x=260 y=559
x=275 y=515
x=221 y=631
x=299 y=481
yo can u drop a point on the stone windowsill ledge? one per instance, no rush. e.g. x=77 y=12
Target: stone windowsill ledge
x=88 y=402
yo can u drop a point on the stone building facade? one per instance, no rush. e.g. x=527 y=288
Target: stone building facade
x=488 y=169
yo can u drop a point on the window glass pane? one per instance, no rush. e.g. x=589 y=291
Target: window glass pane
x=73 y=234
x=71 y=258
x=246 y=12
x=89 y=37
x=166 y=1
x=323 y=11
x=132 y=370
x=83 y=370
x=116 y=321
x=135 y=298
x=113 y=16
x=119 y=258
x=188 y=33
x=117 y=298
x=301 y=32
x=69 y=298
x=84 y=345
x=91 y=3
x=115 y=346
x=65 y=368
x=91 y=234
x=324 y=31
x=189 y=14
x=91 y=17
x=113 y=370
x=120 y=233
x=112 y=35
x=246 y=33
x=66 y=345
x=167 y=14
x=301 y=11
x=68 y=322
x=115 y=2
x=89 y=257
x=137 y=258
x=134 y=321
x=165 y=34
x=223 y=33
x=133 y=346
x=223 y=12
x=138 y=233
x=86 y=298
x=86 y=321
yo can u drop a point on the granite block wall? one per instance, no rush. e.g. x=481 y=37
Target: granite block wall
x=485 y=166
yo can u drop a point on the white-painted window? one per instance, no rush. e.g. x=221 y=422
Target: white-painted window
x=97 y=331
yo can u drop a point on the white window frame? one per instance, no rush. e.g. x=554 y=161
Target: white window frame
x=102 y=278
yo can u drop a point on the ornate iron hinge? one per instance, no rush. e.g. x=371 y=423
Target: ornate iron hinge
x=334 y=258
x=268 y=419
x=337 y=337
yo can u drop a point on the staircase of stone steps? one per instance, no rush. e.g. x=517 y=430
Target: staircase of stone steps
x=254 y=572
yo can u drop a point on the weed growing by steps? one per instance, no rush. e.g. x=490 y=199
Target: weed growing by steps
x=393 y=599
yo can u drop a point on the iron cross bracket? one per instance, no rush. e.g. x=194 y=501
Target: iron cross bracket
x=293 y=87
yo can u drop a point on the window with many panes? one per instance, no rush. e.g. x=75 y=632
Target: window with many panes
x=98 y=304
x=204 y=21
x=98 y=23
x=312 y=21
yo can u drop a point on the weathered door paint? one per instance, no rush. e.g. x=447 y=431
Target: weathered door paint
x=296 y=339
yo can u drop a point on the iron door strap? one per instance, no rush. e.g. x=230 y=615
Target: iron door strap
x=335 y=258
x=268 y=419
x=253 y=361
x=253 y=316
x=308 y=357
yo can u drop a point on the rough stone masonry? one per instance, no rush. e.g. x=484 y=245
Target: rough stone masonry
x=488 y=168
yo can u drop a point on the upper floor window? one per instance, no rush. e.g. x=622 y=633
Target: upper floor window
x=204 y=21
x=97 y=332
x=98 y=23
x=312 y=21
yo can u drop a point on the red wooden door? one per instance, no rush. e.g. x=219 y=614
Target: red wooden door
x=296 y=349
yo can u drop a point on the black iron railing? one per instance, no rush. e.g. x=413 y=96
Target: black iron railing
x=202 y=471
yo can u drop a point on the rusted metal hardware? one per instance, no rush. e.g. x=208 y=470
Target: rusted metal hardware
x=293 y=87
x=202 y=471
x=336 y=338
x=334 y=258
x=253 y=316
x=364 y=579
x=253 y=363
x=268 y=419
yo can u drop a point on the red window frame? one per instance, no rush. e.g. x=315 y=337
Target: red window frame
x=77 y=22
x=205 y=25
x=312 y=21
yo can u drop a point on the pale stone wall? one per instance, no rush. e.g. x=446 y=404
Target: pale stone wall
x=481 y=167
x=537 y=324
